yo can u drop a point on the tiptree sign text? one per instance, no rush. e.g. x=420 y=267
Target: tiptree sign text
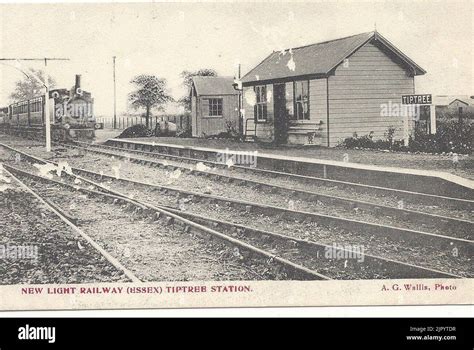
x=417 y=99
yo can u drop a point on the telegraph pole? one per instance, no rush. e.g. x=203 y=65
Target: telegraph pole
x=237 y=85
x=46 y=95
x=115 y=98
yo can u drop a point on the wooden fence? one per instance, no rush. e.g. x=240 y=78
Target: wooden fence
x=182 y=121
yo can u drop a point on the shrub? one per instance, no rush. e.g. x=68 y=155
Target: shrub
x=231 y=128
x=451 y=135
x=138 y=130
x=183 y=132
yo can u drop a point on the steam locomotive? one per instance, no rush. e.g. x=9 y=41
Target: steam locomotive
x=71 y=115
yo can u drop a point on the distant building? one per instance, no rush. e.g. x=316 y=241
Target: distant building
x=460 y=104
x=325 y=92
x=214 y=105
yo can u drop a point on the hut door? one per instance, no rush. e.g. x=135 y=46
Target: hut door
x=194 y=116
x=281 y=119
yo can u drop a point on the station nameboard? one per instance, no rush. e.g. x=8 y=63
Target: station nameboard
x=417 y=99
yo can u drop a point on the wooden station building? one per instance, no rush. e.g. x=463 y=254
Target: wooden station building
x=214 y=105
x=325 y=92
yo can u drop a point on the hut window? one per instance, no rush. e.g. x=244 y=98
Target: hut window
x=302 y=100
x=260 y=109
x=215 y=107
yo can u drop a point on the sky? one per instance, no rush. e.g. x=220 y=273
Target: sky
x=164 y=39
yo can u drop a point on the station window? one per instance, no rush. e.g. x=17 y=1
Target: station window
x=290 y=102
x=301 y=89
x=260 y=109
x=215 y=107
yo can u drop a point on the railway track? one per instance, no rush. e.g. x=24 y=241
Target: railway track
x=352 y=209
x=311 y=253
x=361 y=227
x=406 y=205
x=464 y=245
x=279 y=268
x=442 y=241
x=71 y=222
x=407 y=196
x=226 y=173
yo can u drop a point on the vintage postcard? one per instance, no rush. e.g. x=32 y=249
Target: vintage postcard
x=236 y=154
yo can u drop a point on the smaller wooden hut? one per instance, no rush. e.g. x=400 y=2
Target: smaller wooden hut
x=214 y=106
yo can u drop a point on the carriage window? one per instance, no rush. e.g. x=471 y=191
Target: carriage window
x=215 y=107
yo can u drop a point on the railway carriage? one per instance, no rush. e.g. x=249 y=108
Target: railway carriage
x=3 y=115
x=71 y=111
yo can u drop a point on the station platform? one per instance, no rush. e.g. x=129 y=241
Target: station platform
x=415 y=180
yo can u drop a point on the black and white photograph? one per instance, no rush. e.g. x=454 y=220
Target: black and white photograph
x=199 y=154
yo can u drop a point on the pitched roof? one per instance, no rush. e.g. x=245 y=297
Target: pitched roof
x=318 y=59
x=214 y=85
x=444 y=100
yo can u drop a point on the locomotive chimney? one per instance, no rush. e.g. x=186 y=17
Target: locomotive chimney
x=78 y=81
